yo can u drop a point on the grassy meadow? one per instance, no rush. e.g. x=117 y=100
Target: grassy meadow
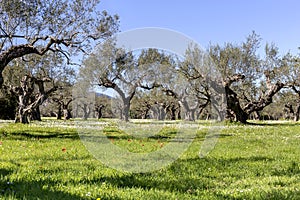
x=47 y=160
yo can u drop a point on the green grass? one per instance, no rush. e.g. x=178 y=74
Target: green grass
x=47 y=160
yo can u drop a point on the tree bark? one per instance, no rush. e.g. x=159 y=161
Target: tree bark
x=234 y=109
x=36 y=114
x=241 y=114
x=126 y=108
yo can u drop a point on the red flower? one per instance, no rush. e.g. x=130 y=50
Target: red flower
x=64 y=149
x=129 y=140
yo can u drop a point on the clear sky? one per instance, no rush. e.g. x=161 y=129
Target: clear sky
x=215 y=21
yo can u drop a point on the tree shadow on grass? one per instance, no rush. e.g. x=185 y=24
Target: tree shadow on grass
x=273 y=194
x=29 y=189
x=188 y=175
x=274 y=124
x=35 y=134
x=35 y=190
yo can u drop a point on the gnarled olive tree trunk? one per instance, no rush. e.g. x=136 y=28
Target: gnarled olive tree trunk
x=29 y=99
x=234 y=108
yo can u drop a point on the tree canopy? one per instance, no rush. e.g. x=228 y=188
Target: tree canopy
x=59 y=26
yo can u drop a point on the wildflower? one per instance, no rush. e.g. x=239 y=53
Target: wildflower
x=0 y=143
x=98 y=199
x=88 y=194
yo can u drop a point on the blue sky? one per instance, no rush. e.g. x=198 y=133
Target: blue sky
x=215 y=21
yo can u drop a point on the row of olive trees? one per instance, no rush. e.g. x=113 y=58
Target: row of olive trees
x=39 y=39
x=232 y=81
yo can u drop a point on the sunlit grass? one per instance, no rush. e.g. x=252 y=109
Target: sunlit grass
x=47 y=160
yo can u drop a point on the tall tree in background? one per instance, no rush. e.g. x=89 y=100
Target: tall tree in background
x=58 y=26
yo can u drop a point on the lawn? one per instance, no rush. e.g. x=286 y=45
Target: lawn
x=48 y=160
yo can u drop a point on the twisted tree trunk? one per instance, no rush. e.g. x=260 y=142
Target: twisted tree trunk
x=241 y=114
x=28 y=99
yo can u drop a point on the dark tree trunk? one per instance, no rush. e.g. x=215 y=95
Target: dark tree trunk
x=98 y=111
x=234 y=109
x=67 y=114
x=59 y=112
x=289 y=111
x=63 y=110
x=99 y=114
x=126 y=108
x=179 y=113
x=36 y=114
x=173 y=112
x=22 y=116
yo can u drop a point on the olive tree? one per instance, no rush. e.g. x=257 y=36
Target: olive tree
x=117 y=69
x=57 y=26
x=250 y=82
x=33 y=82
